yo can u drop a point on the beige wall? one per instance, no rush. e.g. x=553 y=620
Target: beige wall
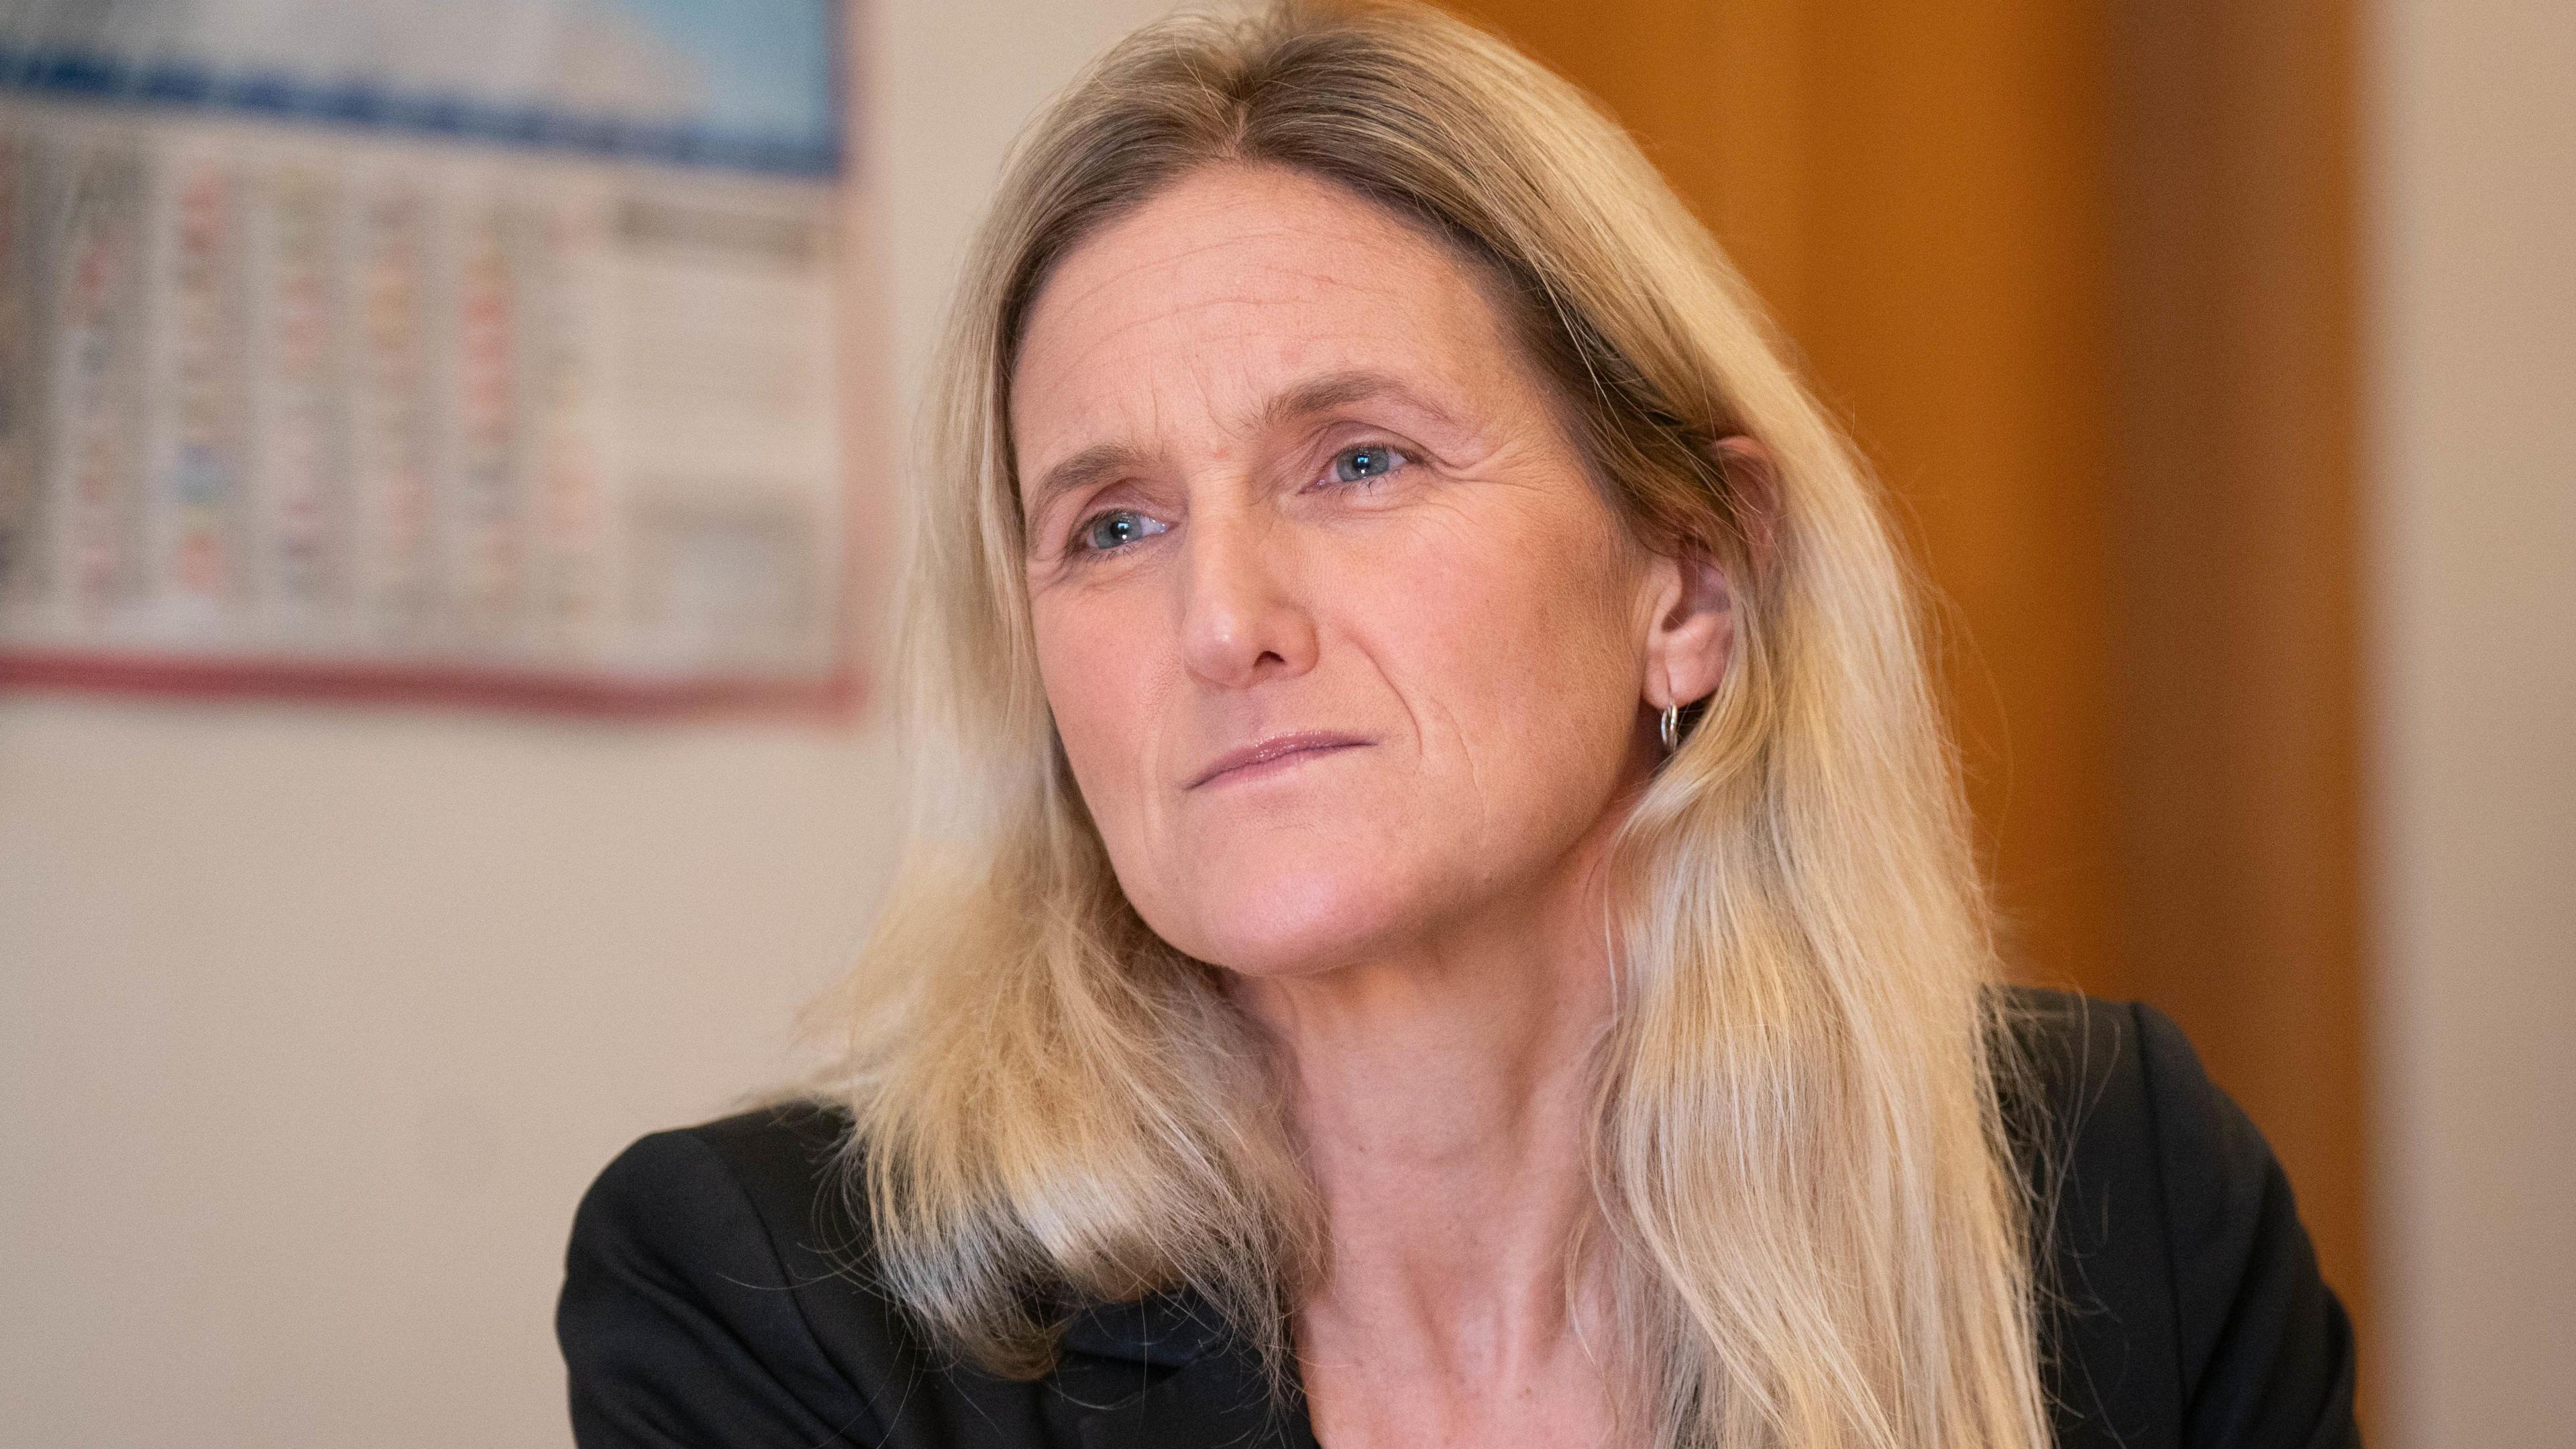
x=2474 y=275
x=314 y=1022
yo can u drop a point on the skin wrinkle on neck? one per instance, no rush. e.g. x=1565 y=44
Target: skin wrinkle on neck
x=1490 y=1041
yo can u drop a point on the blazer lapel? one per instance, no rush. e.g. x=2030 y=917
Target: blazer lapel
x=1213 y=1394
x=1215 y=1403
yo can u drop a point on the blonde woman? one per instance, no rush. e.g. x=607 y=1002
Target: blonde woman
x=1439 y=913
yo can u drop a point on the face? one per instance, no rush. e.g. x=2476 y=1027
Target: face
x=1344 y=645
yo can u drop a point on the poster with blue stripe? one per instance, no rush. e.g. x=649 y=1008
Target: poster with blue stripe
x=748 y=83
x=468 y=347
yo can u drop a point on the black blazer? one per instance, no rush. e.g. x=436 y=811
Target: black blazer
x=718 y=1293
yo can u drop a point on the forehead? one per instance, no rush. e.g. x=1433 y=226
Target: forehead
x=1225 y=289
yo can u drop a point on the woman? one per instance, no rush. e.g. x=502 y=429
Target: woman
x=1439 y=911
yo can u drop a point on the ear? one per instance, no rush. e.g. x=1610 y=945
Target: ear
x=1691 y=638
x=1692 y=633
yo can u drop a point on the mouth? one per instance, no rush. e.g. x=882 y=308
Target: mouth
x=1270 y=756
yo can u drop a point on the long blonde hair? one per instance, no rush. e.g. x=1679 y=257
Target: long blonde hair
x=1812 y=1214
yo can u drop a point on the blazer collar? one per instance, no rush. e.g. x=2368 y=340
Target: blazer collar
x=1166 y=1330
x=1213 y=1397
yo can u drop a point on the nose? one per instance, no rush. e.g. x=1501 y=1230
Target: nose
x=1242 y=620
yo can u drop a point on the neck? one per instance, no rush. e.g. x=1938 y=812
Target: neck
x=1443 y=1096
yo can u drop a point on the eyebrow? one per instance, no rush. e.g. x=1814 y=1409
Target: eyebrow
x=1092 y=465
x=1341 y=389
x=1321 y=394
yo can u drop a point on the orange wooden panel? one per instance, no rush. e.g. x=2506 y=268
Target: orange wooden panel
x=2080 y=279
x=1918 y=193
x=2235 y=503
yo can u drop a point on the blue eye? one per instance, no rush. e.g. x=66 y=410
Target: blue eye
x=1358 y=465
x=1118 y=529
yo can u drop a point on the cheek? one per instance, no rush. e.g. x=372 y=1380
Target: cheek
x=1094 y=663
x=1525 y=642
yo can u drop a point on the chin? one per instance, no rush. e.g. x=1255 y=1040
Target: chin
x=1292 y=917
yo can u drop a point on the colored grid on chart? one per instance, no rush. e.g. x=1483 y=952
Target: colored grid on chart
x=372 y=403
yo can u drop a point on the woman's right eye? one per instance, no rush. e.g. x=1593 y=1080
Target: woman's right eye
x=1105 y=532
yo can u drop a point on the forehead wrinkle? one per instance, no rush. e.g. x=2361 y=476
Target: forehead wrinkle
x=1054 y=298
x=1163 y=260
x=1336 y=388
x=1245 y=295
x=1075 y=356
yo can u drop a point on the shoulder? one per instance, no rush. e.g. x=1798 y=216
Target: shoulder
x=683 y=1314
x=753 y=1162
x=720 y=1287
x=723 y=1287
x=2181 y=1297
x=754 y=1186
x=770 y=1178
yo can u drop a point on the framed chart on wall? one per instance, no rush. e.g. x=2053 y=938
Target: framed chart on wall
x=467 y=349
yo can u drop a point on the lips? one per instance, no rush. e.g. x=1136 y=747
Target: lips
x=1278 y=750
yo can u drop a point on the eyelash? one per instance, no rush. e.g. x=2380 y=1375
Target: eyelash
x=1397 y=459
x=1080 y=545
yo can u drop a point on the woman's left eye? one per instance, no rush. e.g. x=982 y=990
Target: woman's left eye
x=1114 y=530
x=1359 y=465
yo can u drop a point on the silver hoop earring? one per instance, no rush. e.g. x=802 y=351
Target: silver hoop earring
x=1671 y=727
